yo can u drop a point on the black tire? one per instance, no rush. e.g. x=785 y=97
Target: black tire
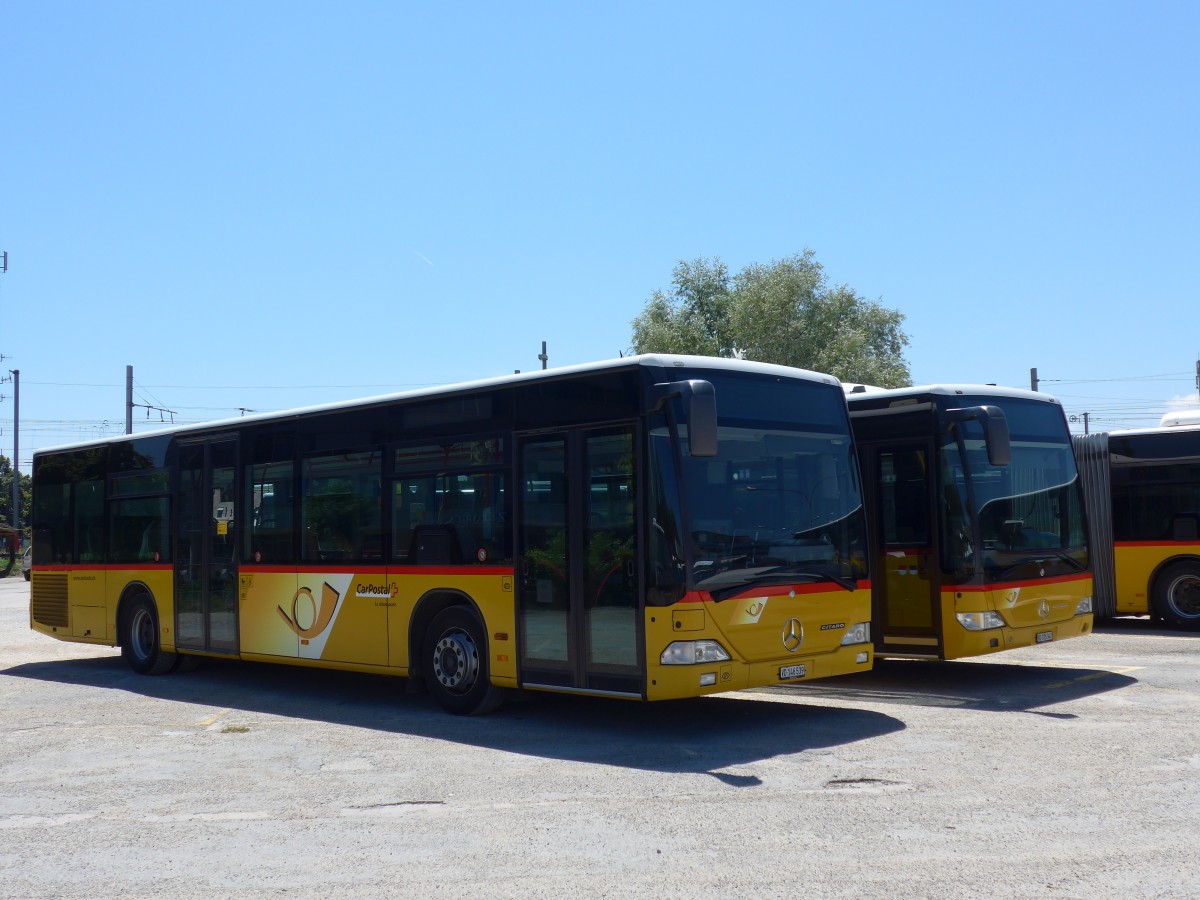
x=26 y=576
x=455 y=664
x=140 y=644
x=1177 y=596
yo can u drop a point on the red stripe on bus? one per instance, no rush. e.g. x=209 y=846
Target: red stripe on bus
x=1009 y=585
x=396 y=571
x=1154 y=543
x=107 y=567
x=773 y=590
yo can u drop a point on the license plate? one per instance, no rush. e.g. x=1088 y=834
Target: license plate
x=792 y=672
x=1044 y=636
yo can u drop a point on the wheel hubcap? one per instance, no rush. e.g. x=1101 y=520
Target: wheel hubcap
x=456 y=661
x=142 y=634
x=1184 y=596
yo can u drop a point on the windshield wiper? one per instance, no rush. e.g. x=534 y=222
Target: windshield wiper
x=814 y=570
x=730 y=579
x=1039 y=558
x=1067 y=557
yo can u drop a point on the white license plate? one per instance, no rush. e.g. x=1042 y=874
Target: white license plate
x=1044 y=636
x=793 y=672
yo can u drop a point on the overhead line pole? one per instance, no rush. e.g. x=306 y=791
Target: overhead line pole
x=16 y=460
x=129 y=399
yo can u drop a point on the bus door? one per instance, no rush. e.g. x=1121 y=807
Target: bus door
x=206 y=577
x=578 y=597
x=907 y=588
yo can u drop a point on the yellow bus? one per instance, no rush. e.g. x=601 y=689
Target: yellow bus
x=648 y=528
x=977 y=531
x=1143 y=492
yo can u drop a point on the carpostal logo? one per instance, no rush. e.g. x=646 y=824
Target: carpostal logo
x=374 y=591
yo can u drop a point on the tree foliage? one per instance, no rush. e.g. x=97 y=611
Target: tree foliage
x=783 y=312
x=6 y=482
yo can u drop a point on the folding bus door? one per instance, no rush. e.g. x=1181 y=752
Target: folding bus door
x=906 y=592
x=206 y=573
x=579 y=609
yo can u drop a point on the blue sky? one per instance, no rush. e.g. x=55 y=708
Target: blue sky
x=268 y=205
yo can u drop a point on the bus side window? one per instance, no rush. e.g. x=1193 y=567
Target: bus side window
x=340 y=506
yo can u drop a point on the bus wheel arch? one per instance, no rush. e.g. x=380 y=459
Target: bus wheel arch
x=1175 y=593
x=138 y=633
x=449 y=652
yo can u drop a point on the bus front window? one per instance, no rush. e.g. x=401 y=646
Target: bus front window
x=1029 y=514
x=774 y=504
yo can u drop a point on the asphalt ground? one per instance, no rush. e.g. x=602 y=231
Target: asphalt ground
x=1065 y=770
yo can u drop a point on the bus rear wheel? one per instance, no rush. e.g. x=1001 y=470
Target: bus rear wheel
x=140 y=645
x=1177 y=595
x=456 y=664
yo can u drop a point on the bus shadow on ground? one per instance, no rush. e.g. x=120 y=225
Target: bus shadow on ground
x=967 y=684
x=697 y=736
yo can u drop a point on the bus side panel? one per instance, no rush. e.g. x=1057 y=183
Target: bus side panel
x=89 y=605
x=323 y=615
x=359 y=605
x=1135 y=565
x=1132 y=565
x=268 y=606
x=492 y=593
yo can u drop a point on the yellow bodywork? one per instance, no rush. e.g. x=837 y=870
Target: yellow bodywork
x=1033 y=613
x=361 y=620
x=81 y=604
x=1030 y=609
x=1133 y=567
x=752 y=629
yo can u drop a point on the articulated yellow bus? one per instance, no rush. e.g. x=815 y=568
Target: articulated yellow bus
x=977 y=531
x=648 y=528
x=1143 y=493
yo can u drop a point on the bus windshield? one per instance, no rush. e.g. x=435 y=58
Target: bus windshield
x=1028 y=515
x=781 y=500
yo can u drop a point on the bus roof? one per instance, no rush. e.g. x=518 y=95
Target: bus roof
x=944 y=390
x=1182 y=428
x=1179 y=417
x=658 y=360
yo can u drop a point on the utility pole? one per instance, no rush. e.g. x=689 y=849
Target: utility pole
x=129 y=399
x=545 y=359
x=162 y=411
x=16 y=460
x=1033 y=379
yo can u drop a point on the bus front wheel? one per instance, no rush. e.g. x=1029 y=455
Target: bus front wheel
x=1177 y=596
x=140 y=645
x=456 y=663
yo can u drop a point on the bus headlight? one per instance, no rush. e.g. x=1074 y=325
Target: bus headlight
x=858 y=634
x=1084 y=607
x=979 y=621
x=688 y=653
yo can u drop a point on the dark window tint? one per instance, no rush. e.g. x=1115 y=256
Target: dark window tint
x=341 y=507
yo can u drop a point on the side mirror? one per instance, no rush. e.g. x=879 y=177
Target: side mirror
x=995 y=430
x=699 y=409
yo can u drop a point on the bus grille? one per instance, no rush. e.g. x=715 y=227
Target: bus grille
x=48 y=603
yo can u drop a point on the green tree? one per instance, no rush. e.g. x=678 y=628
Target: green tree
x=783 y=312
x=6 y=481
